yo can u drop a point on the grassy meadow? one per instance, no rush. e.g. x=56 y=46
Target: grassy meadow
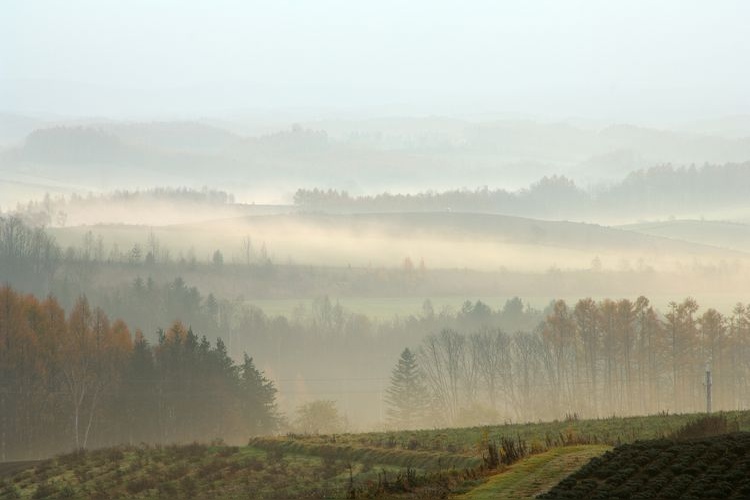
x=441 y=463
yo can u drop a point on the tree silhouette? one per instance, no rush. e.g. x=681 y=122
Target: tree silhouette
x=407 y=396
x=257 y=399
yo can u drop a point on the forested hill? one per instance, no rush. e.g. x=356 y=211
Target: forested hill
x=659 y=191
x=78 y=380
x=399 y=155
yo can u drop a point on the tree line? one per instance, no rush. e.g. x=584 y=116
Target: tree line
x=657 y=191
x=31 y=259
x=591 y=359
x=77 y=380
x=55 y=210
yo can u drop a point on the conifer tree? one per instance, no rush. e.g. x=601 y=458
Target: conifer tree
x=258 y=399
x=407 y=396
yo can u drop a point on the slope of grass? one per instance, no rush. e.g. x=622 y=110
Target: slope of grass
x=226 y=472
x=704 y=468
x=407 y=464
x=424 y=460
x=723 y=234
x=190 y=471
x=535 y=474
x=539 y=435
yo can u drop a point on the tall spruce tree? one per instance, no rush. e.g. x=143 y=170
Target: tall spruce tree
x=407 y=396
x=258 y=399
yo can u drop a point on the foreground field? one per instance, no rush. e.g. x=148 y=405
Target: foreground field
x=433 y=464
x=536 y=474
x=705 y=468
x=468 y=441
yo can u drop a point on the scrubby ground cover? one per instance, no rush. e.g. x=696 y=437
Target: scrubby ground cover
x=190 y=471
x=701 y=468
x=408 y=464
x=226 y=472
x=470 y=441
x=416 y=459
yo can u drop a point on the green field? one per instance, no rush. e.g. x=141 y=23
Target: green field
x=467 y=441
x=423 y=464
x=536 y=474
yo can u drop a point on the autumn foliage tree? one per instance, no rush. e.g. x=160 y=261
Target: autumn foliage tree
x=596 y=359
x=80 y=380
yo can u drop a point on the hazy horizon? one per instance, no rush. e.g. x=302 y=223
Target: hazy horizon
x=626 y=62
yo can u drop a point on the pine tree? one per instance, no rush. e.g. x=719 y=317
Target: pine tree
x=139 y=400
x=258 y=399
x=407 y=396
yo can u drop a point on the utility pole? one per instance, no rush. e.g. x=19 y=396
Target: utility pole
x=3 y=458
x=708 y=388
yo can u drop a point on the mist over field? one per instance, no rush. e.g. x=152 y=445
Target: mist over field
x=306 y=220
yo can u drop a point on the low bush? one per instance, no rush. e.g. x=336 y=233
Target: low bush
x=140 y=484
x=710 y=425
x=44 y=490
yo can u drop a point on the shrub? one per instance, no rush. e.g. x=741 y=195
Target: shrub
x=188 y=486
x=140 y=484
x=512 y=451
x=10 y=492
x=228 y=451
x=67 y=491
x=710 y=425
x=189 y=452
x=492 y=459
x=44 y=490
x=275 y=455
x=167 y=489
x=74 y=457
x=114 y=455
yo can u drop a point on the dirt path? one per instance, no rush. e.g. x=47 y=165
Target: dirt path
x=535 y=475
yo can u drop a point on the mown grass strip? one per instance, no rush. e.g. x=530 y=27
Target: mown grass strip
x=536 y=474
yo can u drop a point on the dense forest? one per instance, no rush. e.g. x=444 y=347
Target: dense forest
x=78 y=380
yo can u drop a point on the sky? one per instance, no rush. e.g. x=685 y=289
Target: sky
x=616 y=60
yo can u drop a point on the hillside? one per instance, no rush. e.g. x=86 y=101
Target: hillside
x=722 y=234
x=440 y=239
x=705 y=468
x=393 y=155
x=406 y=464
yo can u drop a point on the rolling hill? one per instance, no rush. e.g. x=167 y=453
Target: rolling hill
x=395 y=154
x=440 y=239
x=729 y=235
x=439 y=463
